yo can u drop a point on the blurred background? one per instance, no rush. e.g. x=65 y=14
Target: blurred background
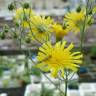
x=14 y=77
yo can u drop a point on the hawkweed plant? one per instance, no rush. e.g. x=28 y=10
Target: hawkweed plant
x=59 y=59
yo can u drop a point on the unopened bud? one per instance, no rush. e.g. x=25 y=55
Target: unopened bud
x=26 y=5
x=78 y=9
x=28 y=40
x=90 y=12
x=15 y=35
x=2 y=35
x=11 y=7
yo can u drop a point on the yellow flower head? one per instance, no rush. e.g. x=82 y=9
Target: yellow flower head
x=56 y=58
x=21 y=16
x=41 y=20
x=41 y=28
x=59 y=30
x=76 y=19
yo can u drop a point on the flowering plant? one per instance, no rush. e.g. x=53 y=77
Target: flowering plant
x=59 y=59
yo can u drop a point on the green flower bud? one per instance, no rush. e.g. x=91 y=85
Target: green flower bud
x=64 y=26
x=78 y=9
x=15 y=35
x=26 y=5
x=90 y=12
x=11 y=7
x=90 y=22
x=27 y=40
x=2 y=35
x=6 y=28
x=17 y=24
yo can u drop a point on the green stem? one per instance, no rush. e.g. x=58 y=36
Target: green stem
x=49 y=79
x=82 y=37
x=26 y=65
x=66 y=84
x=20 y=44
x=28 y=21
x=66 y=88
x=59 y=85
x=83 y=27
x=53 y=83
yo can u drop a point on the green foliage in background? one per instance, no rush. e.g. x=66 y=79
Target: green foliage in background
x=46 y=91
x=93 y=50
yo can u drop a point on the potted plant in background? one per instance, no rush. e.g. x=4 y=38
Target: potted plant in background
x=36 y=75
x=9 y=77
x=93 y=53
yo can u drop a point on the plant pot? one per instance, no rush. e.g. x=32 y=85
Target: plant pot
x=19 y=91
x=35 y=79
x=93 y=57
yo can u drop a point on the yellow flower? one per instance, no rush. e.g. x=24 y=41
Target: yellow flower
x=38 y=36
x=76 y=19
x=56 y=58
x=41 y=20
x=41 y=28
x=59 y=30
x=22 y=15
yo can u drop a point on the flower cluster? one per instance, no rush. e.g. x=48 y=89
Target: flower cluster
x=41 y=27
x=55 y=58
x=22 y=16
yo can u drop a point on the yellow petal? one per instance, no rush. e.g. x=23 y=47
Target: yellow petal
x=49 y=44
x=74 y=65
x=40 y=65
x=63 y=44
x=42 y=50
x=57 y=44
x=62 y=72
x=75 y=53
x=77 y=61
x=78 y=57
x=46 y=45
x=54 y=72
x=46 y=69
x=70 y=46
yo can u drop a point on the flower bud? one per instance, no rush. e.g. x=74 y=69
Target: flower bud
x=2 y=35
x=15 y=35
x=6 y=28
x=26 y=5
x=78 y=9
x=90 y=22
x=90 y=12
x=11 y=7
x=27 y=40
x=64 y=26
x=17 y=24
